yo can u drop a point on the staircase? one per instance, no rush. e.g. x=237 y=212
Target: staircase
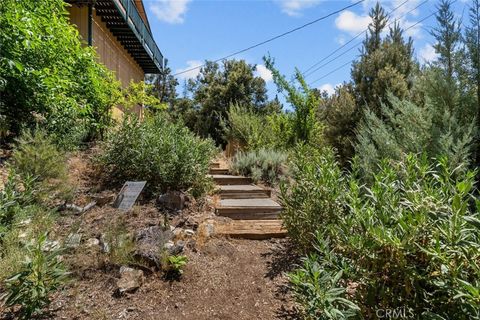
x=252 y=212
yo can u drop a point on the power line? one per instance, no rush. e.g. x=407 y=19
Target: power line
x=345 y=44
x=306 y=73
x=349 y=62
x=275 y=37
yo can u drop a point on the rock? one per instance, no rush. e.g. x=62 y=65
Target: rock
x=130 y=280
x=174 y=248
x=102 y=200
x=73 y=240
x=92 y=242
x=189 y=232
x=50 y=245
x=172 y=200
x=148 y=241
x=104 y=244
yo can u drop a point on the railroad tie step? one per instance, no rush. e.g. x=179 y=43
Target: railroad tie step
x=243 y=192
x=224 y=179
x=251 y=229
x=249 y=209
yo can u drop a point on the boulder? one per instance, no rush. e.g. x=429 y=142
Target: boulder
x=148 y=242
x=130 y=280
x=172 y=200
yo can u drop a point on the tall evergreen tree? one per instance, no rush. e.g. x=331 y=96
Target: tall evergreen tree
x=217 y=86
x=448 y=37
x=385 y=65
x=472 y=41
x=164 y=85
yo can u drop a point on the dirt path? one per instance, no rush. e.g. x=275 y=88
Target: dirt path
x=226 y=279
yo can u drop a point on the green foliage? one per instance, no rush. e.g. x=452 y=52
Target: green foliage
x=312 y=197
x=262 y=165
x=403 y=127
x=217 y=87
x=48 y=77
x=305 y=102
x=385 y=65
x=42 y=274
x=37 y=161
x=13 y=197
x=340 y=115
x=120 y=244
x=254 y=131
x=165 y=154
x=407 y=240
x=140 y=94
x=318 y=292
x=173 y=265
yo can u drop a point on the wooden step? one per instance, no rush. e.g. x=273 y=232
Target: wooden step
x=225 y=179
x=249 y=209
x=215 y=165
x=223 y=171
x=251 y=229
x=243 y=192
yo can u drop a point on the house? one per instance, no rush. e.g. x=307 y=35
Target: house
x=120 y=32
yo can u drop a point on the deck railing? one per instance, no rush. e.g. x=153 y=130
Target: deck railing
x=130 y=13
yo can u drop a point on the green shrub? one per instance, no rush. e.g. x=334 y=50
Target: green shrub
x=312 y=198
x=48 y=77
x=166 y=155
x=409 y=240
x=42 y=274
x=319 y=293
x=37 y=159
x=262 y=165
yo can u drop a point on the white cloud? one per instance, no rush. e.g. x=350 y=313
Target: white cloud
x=295 y=7
x=191 y=73
x=263 y=73
x=351 y=22
x=328 y=87
x=427 y=53
x=170 y=11
x=340 y=40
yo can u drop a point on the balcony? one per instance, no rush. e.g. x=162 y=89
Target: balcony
x=124 y=21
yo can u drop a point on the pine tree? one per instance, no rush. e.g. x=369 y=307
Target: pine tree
x=472 y=41
x=385 y=65
x=448 y=37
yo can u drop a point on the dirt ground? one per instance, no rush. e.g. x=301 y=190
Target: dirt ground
x=223 y=279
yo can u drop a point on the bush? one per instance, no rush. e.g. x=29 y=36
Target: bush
x=312 y=198
x=173 y=265
x=166 y=155
x=42 y=274
x=47 y=76
x=119 y=243
x=319 y=292
x=36 y=159
x=408 y=241
x=262 y=165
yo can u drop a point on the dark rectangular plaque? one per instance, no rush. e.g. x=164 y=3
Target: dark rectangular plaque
x=128 y=195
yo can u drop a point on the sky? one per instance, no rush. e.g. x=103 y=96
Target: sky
x=188 y=32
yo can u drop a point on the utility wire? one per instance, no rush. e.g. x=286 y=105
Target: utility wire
x=306 y=73
x=275 y=37
x=349 y=62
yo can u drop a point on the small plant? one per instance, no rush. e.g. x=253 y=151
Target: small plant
x=42 y=274
x=261 y=165
x=119 y=244
x=173 y=265
x=37 y=159
x=318 y=292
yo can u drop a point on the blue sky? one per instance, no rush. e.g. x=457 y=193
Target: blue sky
x=191 y=31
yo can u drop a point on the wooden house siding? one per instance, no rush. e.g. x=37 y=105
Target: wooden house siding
x=111 y=53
